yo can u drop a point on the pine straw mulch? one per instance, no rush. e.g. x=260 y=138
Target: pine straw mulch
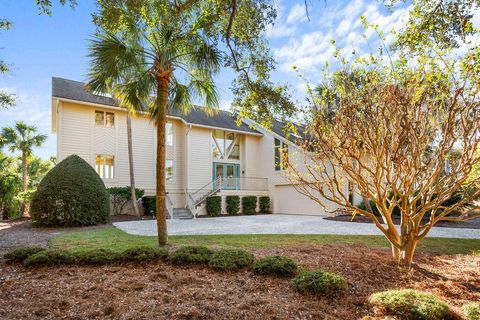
x=162 y=291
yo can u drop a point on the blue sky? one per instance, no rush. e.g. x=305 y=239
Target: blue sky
x=39 y=47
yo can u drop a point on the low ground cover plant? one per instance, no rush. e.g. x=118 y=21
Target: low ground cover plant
x=214 y=206
x=410 y=304
x=20 y=254
x=319 y=282
x=139 y=254
x=231 y=259
x=191 y=255
x=275 y=265
x=472 y=311
x=50 y=257
x=249 y=205
x=233 y=204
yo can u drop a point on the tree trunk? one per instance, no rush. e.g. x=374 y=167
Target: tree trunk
x=162 y=100
x=130 y=162
x=404 y=256
x=24 y=207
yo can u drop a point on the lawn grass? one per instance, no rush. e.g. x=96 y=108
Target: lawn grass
x=117 y=240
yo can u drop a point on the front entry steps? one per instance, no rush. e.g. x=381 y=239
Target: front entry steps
x=181 y=213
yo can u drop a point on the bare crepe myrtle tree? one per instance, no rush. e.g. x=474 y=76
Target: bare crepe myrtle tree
x=389 y=129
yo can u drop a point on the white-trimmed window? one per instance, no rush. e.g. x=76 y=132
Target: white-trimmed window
x=169 y=134
x=105 y=166
x=169 y=170
x=225 y=145
x=281 y=155
x=104 y=119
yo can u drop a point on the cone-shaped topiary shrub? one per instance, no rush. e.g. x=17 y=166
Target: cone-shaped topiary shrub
x=71 y=194
x=410 y=304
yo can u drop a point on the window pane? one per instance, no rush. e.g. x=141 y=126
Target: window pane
x=99 y=118
x=169 y=170
x=110 y=119
x=277 y=159
x=229 y=137
x=235 y=154
x=109 y=166
x=215 y=152
x=169 y=134
x=99 y=162
x=219 y=137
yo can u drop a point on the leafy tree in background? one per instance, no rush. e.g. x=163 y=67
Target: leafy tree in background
x=22 y=138
x=10 y=186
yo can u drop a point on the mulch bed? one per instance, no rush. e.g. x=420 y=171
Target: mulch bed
x=470 y=224
x=162 y=291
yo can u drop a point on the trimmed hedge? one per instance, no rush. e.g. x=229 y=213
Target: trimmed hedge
x=121 y=196
x=410 y=304
x=231 y=259
x=249 y=205
x=191 y=255
x=264 y=203
x=214 y=206
x=472 y=311
x=20 y=254
x=50 y=257
x=149 y=204
x=33 y=256
x=319 y=282
x=71 y=194
x=233 y=204
x=275 y=265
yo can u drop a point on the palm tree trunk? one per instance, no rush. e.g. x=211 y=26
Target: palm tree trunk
x=24 y=208
x=162 y=100
x=130 y=162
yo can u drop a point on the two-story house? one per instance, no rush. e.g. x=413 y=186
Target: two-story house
x=205 y=154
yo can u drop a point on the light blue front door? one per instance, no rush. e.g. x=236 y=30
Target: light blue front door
x=229 y=172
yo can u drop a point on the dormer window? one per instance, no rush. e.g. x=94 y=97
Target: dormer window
x=104 y=119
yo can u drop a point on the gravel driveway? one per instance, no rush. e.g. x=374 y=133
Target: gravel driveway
x=273 y=224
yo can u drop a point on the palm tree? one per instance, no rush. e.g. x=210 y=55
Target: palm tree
x=22 y=138
x=166 y=67
x=130 y=163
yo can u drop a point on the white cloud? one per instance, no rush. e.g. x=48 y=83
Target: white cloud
x=281 y=30
x=297 y=14
x=344 y=27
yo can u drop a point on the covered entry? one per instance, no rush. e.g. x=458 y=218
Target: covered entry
x=229 y=174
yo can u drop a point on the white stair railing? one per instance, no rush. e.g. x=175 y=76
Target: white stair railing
x=169 y=205
x=196 y=198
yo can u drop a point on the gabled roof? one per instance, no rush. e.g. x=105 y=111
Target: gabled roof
x=75 y=90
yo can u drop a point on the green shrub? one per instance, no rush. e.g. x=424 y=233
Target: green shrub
x=191 y=255
x=410 y=304
x=121 y=196
x=231 y=259
x=149 y=204
x=233 y=205
x=472 y=311
x=20 y=254
x=275 y=265
x=96 y=257
x=50 y=257
x=71 y=194
x=264 y=203
x=139 y=254
x=249 y=204
x=214 y=206
x=319 y=282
